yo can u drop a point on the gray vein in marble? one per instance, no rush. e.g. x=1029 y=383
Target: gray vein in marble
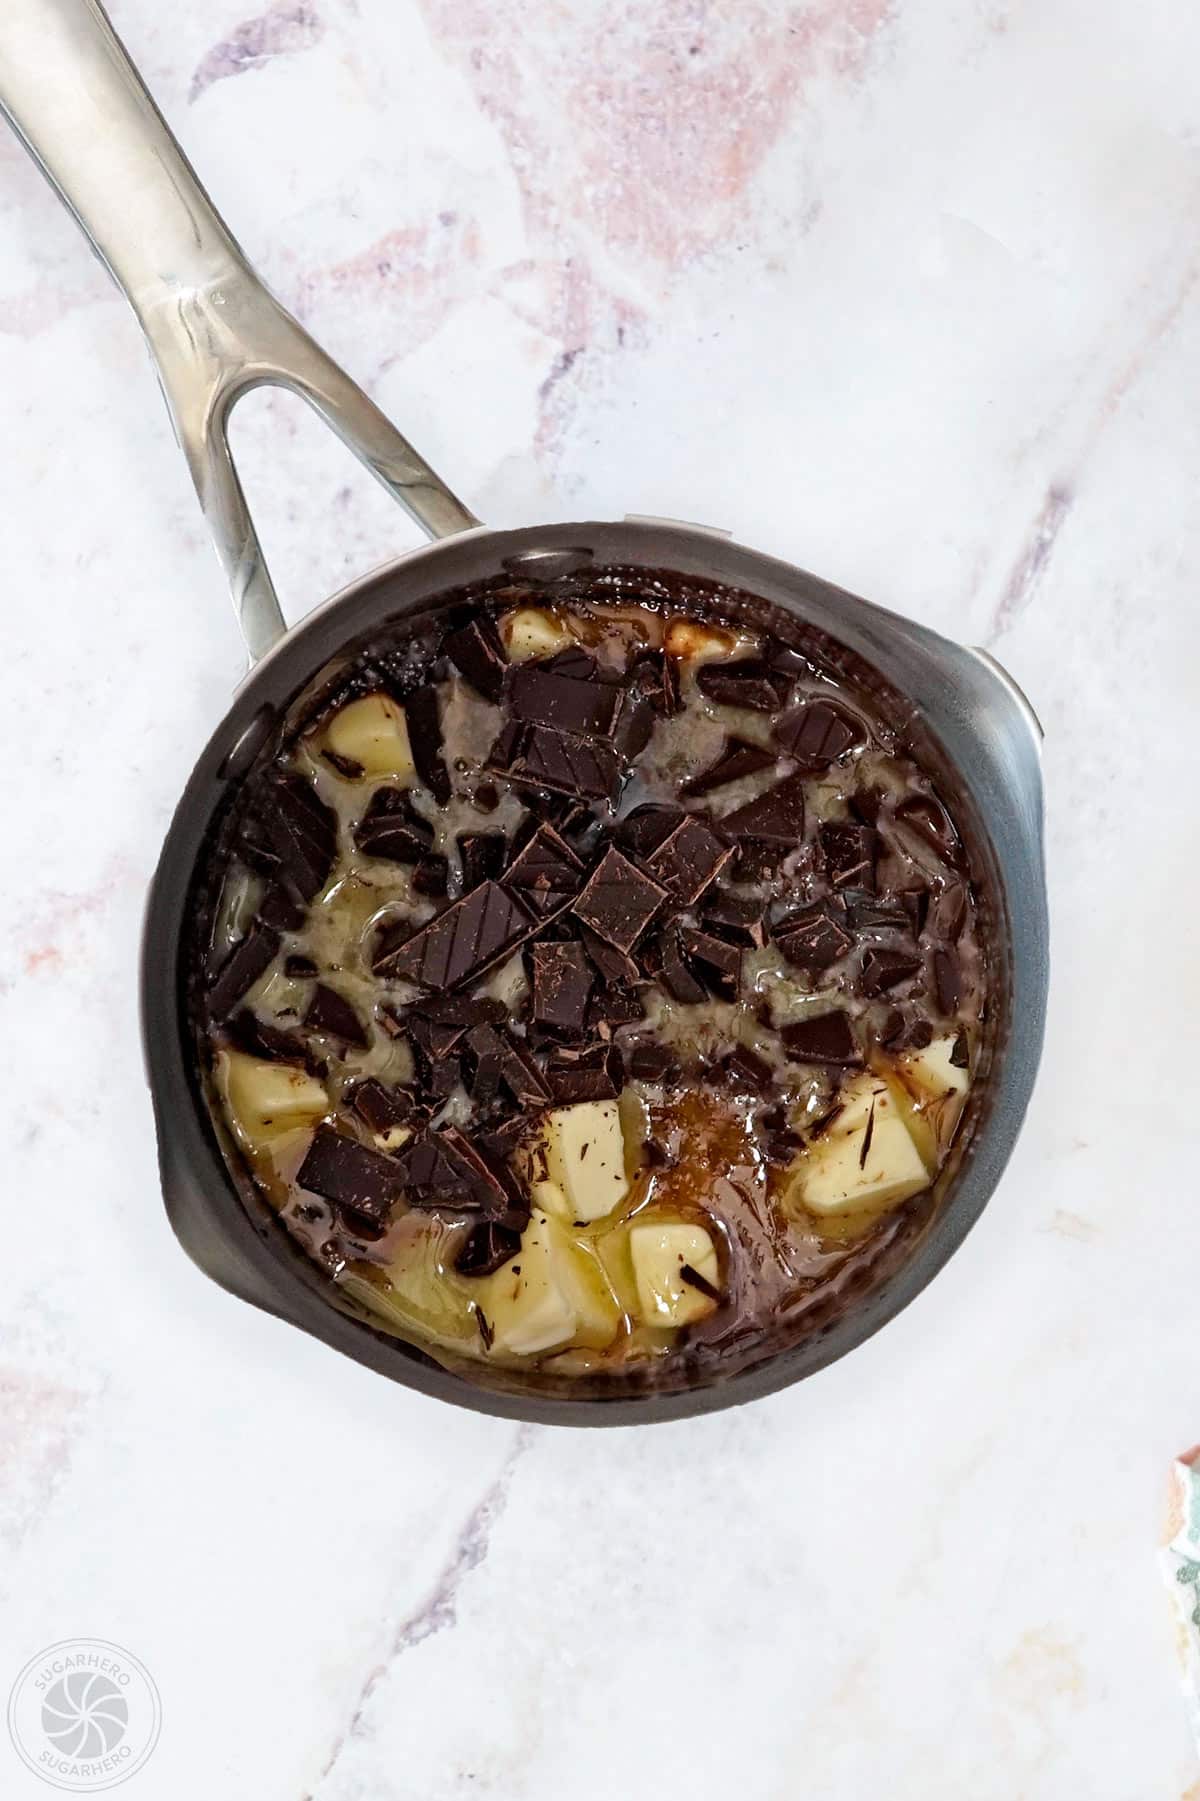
x=1031 y=563
x=438 y=1612
x=287 y=26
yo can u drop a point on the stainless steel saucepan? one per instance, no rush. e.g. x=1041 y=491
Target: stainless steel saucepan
x=214 y=332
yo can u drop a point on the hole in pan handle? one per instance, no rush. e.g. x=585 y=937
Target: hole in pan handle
x=72 y=95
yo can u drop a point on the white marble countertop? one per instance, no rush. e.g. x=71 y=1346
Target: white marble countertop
x=907 y=293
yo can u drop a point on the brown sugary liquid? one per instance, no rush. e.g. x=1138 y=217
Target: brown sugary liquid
x=698 y=1149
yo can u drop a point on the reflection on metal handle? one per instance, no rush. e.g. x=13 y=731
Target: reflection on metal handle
x=74 y=97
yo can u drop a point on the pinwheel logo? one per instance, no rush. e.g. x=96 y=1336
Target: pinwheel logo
x=84 y=1714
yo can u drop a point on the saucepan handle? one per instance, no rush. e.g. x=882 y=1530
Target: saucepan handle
x=73 y=96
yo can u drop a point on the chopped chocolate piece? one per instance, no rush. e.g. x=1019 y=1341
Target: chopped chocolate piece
x=501 y=1139
x=544 y=758
x=670 y=698
x=562 y=986
x=689 y=859
x=667 y=962
x=915 y=902
x=811 y=938
x=461 y=1009
x=249 y=959
x=757 y=862
x=392 y=828
x=948 y=913
x=331 y=1013
x=651 y=1063
x=947 y=980
x=351 y=1174
x=618 y=901
x=931 y=824
x=423 y=718
x=276 y=1044
x=899 y=1034
x=614 y=968
x=481 y=856
x=572 y=660
x=694 y=1279
x=866 y=804
x=642 y=831
x=817 y=733
x=538 y=697
x=780 y=1148
x=633 y=726
x=445 y=1075
x=615 y=1007
x=431 y=878
x=477 y=654
x=884 y=969
x=717 y=963
x=546 y=874
x=822 y=1038
x=850 y=852
x=960 y=1056
x=591 y=1075
x=737 y=758
x=346 y=766
x=380 y=1108
x=486 y=1247
x=734 y=916
x=494 y=1057
x=461 y=943
x=302 y=833
x=299 y=967
x=278 y=910
x=744 y=1068
x=776 y=817
x=486 y=797
x=749 y=682
x=869 y=912
x=443 y=1169
x=504 y=751
x=572 y=819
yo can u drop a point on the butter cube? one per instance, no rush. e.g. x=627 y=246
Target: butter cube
x=585 y=1157
x=660 y=1250
x=373 y=732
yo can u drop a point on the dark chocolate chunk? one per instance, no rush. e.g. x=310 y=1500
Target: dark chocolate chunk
x=688 y=860
x=694 y=1279
x=744 y=1068
x=670 y=698
x=461 y=943
x=486 y=797
x=380 y=1108
x=715 y=961
x=302 y=832
x=346 y=766
x=948 y=913
x=299 y=968
x=562 y=986
x=392 y=828
x=278 y=910
x=900 y=1034
x=633 y=726
x=443 y=1169
x=276 y=1044
x=666 y=960
x=618 y=901
x=614 y=1007
x=651 y=1063
x=477 y=654
x=445 y=1075
x=960 y=1056
x=883 y=970
x=486 y=1247
x=331 y=1013
x=915 y=902
x=587 y=708
x=249 y=959
x=544 y=758
x=614 y=968
x=505 y=750
x=642 y=831
x=573 y=660
x=811 y=938
x=546 y=874
x=870 y=912
x=431 y=877
x=822 y=1038
x=461 y=1009
x=734 y=916
x=481 y=857
x=780 y=1148
x=947 y=980
x=423 y=718
x=776 y=817
x=351 y=1174
x=866 y=804
x=591 y=1075
x=922 y=815
x=737 y=758
x=749 y=682
x=850 y=852
x=817 y=733
x=493 y=1056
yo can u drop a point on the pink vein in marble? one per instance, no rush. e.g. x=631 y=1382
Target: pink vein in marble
x=287 y=26
x=38 y=1423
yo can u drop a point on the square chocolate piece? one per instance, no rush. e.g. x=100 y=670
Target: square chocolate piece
x=689 y=859
x=619 y=901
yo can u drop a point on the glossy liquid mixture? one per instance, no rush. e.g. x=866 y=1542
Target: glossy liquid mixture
x=593 y=988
